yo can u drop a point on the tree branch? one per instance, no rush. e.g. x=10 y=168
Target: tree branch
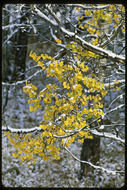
x=71 y=35
x=87 y=8
x=120 y=96
x=114 y=83
x=107 y=135
x=98 y=50
x=112 y=35
x=10 y=36
x=93 y=131
x=43 y=16
x=114 y=109
x=94 y=166
x=28 y=130
x=23 y=81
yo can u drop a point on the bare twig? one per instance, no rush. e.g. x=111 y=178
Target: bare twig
x=114 y=83
x=120 y=96
x=112 y=35
x=114 y=109
x=23 y=81
x=92 y=165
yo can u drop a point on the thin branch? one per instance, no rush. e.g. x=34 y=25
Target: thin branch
x=120 y=96
x=10 y=36
x=12 y=25
x=112 y=35
x=114 y=109
x=53 y=14
x=57 y=20
x=114 y=83
x=43 y=16
x=54 y=37
x=94 y=166
x=23 y=81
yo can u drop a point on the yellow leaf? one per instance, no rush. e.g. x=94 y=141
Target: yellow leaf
x=58 y=41
x=81 y=140
x=43 y=126
x=66 y=85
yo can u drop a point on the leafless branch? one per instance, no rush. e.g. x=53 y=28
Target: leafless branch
x=10 y=36
x=120 y=96
x=112 y=35
x=43 y=16
x=114 y=83
x=92 y=165
x=114 y=109
x=23 y=81
x=14 y=130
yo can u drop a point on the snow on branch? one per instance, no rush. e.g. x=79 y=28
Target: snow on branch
x=43 y=16
x=87 y=8
x=14 y=130
x=85 y=162
x=23 y=81
x=107 y=135
x=112 y=35
x=54 y=37
x=10 y=36
x=71 y=35
x=114 y=83
x=120 y=96
x=71 y=133
x=114 y=109
x=97 y=133
x=93 y=131
x=53 y=14
x=92 y=165
x=98 y=50
x=13 y=25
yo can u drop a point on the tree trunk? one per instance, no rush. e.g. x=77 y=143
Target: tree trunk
x=14 y=51
x=20 y=56
x=90 y=152
x=21 y=40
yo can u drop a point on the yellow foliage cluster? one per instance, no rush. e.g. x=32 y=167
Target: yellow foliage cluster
x=111 y=15
x=67 y=106
x=80 y=53
x=69 y=109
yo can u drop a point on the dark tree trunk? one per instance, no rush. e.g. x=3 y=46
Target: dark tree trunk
x=14 y=52
x=20 y=56
x=21 y=41
x=90 y=152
